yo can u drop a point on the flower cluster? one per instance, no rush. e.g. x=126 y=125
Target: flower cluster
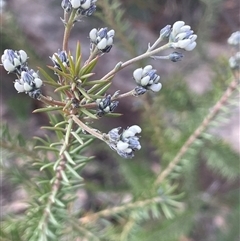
x=29 y=83
x=62 y=55
x=28 y=80
x=234 y=41
x=182 y=36
x=147 y=78
x=102 y=39
x=84 y=7
x=14 y=61
x=106 y=105
x=126 y=143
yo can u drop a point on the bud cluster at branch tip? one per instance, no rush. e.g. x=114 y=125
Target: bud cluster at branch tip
x=126 y=143
x=102 y=39
x=106 y=105
x=147 y=78
x=84 y=7
x=28 y=80
x=182 y=36
x=234 y=41
x=63 y=57
x=14 y=61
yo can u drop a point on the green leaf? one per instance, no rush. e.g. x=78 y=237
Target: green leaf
x=53 y=128
x=96 y=82
x=64 y=177
x=69 y=158
x=49 y=79
x=48 y=109
x=70 y=169
x=46 y=148
x=77 y=137
x=84 y=93
x=46 y=165
x=78 y=57
x=88 y=68
x=63 y=68
x=62 y=88
x=71 y=65
x=104 y=89
x=88 y=113
x=61 y=123
x=79 y=148
x=167 y=211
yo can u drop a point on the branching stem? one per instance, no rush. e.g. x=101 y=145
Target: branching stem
x=68 y=28
x=115 y=210
x=136 y=59
x=202 y=127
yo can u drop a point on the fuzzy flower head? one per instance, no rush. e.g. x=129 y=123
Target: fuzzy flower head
x=29 y=83
x=102 y=39
x=106 y=105
x=147 y=78
x=62 y=55
x=84 y=7
x=234 y=61
x=14 y=61
x=126 y=143
x=234 y=39
x=182 y=36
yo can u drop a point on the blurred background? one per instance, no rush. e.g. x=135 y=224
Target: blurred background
x=209 y=175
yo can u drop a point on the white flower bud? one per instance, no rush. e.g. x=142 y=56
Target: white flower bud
x=110 y=41
x=234 y=39
x=176 y=27
x=38 y=82
x=127 y=133
x=86 y=5
x=111 y=33
x=27 y=87
x=23 y=55
x=135 y=129
x=156 y=87
x=121 y=146
x=191 y=46
x=184 y=28
x=102 y=44
x=146 y=69
x=75 y=3
x=137 y=74
x=8 y=65
x=93 y=34
x=19 y=87
x=145 y=80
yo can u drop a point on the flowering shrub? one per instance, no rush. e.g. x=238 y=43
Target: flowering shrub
x=78 y=92
x=53 y=176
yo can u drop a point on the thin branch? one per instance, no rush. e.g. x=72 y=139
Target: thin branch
x=202 y=127
x=136 y=59
x=115 y=210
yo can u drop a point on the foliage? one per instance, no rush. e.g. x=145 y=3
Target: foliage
x=138 y=203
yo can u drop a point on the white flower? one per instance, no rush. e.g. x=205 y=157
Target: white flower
x=102 y=39
x=234 y=39
x=234 y=61
x=127 y=143
x=14 y=60
x=75 y=3
x=182 y=36
x=28 y=82
x=63 y=57
x=147 y=78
